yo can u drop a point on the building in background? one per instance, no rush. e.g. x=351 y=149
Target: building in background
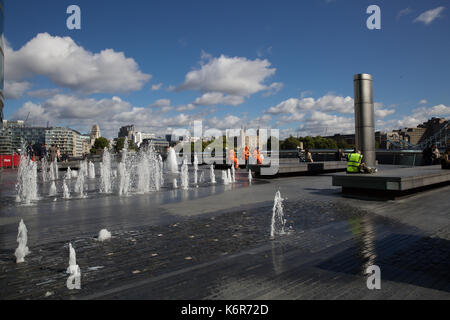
x=95 y=134
x=434 y=131
x=2 y=60
x=160 y=144
x=127 y=132
x=139 y=137
x=86 y=144
x=15 y=136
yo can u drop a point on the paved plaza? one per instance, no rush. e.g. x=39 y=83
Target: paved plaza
x=213 y=242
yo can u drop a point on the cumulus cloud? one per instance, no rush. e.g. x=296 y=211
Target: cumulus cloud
x=383 y=113
x=71 y=66
x=65 y=107
x=110 y=114
x=229 y=79
x=188 y=107
x=274 y=88
x=328 y=114
x=417 y=117
x=436 y=111
x=228 y=122
x=329 y=103
x=429 y=16
x=43 y=93
x=15 y=89
x=321 y=123
x=214 y=98
x=157 y=86
x=161 y=103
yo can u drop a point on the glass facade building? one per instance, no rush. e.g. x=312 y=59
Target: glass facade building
x=15 y=136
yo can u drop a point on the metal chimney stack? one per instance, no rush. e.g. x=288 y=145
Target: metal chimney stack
x=364 y=118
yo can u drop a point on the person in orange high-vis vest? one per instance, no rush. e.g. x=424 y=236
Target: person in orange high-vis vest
x=257 y=156
x=233 y=158
x=246 y=154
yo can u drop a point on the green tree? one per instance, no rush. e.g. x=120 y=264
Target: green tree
x=120 y=144
x=101 y=143
x=131 y=145
x=290 y=143
x=343 y=144
x=308 y=142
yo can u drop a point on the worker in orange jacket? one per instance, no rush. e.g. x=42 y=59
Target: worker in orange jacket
x=246 y=154
x=257 y=156
x=233 y=158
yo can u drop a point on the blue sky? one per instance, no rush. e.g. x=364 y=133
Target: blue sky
x=280 y=64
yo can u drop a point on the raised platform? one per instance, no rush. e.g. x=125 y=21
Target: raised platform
x=293 y=166
x=392 y=182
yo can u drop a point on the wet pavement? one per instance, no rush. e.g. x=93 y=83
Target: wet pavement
x=215 y=244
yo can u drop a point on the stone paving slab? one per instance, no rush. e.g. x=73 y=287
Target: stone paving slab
x=230 y=256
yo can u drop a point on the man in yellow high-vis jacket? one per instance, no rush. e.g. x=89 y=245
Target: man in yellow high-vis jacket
x=354 y=164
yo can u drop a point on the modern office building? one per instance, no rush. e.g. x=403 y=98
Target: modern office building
x=15 y=136
x=160 y=144
x=86 y=143
x=2 y=60
x=127 y=132
x=139 y=137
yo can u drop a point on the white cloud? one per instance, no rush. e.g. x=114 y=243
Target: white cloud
x=15 y=89
x=110 y=114
x=429 y=16
x=161 y=103
x=329 y=103
x=383 y=113
x=43 y=93
x=229 y=122
x=157 y=87
x=423 y=101
x=71 y=66
x=214 y=98
x=417 y=117
x=436 y=111
x=404 y=12
x=321 y=123
x=232 y=77
x=187 y=107
x=274 y=88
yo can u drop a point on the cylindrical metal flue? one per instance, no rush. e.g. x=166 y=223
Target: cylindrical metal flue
x=364 y=118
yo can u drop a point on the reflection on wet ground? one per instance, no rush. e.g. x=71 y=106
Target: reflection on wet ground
x=229 y=256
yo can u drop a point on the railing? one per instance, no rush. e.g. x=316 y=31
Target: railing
x=394 y=157
x=440 y=139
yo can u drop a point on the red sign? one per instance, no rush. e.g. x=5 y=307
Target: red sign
x=8 y=161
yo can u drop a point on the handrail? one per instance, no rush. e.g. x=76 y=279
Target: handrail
x=429 y=141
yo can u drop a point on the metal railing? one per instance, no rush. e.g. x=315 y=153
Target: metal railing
x=440 y=139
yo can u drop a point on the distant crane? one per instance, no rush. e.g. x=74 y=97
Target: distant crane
x=27 y=118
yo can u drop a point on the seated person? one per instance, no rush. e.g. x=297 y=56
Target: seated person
x=356 y=164
x=308 y=156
